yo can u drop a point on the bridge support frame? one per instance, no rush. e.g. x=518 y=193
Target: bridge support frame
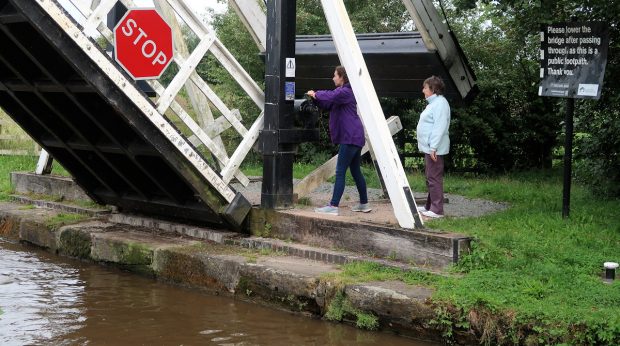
x=278 y=157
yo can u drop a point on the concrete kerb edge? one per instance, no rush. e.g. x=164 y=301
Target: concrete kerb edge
x=58 y=206
x=424 y=248
x=221 y=274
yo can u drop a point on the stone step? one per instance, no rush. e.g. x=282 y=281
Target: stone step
x=289 y=248
x=425 y=248
x=25 y=183
x=70 y=208
x=370 y=236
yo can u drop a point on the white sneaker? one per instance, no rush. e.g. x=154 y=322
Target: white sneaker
x=431 y=214
x=362 y=208
x=328 y=209
x=422 y=209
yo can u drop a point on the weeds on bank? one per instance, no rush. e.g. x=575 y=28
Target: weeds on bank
x=59 y=220
x=340 y=308
x=531 y=275
x=10 y=164
x=356 y=272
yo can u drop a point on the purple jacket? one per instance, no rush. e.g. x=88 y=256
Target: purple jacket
x=345 y=126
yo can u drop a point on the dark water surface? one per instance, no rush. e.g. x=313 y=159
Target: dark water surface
x=55 y=301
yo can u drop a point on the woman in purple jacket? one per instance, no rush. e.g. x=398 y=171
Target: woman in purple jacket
x=347 y=131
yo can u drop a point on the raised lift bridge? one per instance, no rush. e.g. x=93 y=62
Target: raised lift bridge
x=118 y=143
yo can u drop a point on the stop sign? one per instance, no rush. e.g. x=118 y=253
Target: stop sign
x=143 y=43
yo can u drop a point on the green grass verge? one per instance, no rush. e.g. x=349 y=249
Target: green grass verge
x=28 y=163
x=10 y=164
x=529 y=267
x=59 y=220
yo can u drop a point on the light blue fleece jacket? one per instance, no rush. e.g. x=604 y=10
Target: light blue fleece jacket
x=433 y=126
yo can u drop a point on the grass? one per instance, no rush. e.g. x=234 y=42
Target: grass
x=528 y=262
x=530 y=269
x=59 y=220
x=10 y=164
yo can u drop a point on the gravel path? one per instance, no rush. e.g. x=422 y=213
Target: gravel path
x=457 y=206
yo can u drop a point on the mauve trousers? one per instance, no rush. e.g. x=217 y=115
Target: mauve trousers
x=434 y=182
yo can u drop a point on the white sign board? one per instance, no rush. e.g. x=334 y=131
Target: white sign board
x=290 y=67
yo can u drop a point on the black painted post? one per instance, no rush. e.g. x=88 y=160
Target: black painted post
x=568 y=155
x=277 y=189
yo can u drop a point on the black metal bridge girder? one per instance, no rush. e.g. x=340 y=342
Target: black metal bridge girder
x=64 y=101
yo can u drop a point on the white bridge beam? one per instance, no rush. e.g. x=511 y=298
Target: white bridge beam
x=436 y=36
x=254 y=19
x=371 y=113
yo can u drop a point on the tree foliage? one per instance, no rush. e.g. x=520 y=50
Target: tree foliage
x=508 y=126
x=500 y=37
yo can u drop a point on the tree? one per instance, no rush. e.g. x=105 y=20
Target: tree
x=596 y=126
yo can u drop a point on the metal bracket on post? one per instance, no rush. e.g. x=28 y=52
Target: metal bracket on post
x=370 y=109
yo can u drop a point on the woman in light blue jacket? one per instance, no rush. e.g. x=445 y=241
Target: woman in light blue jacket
x=433 y=141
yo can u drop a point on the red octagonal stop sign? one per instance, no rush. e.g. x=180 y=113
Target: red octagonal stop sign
x=143 y=43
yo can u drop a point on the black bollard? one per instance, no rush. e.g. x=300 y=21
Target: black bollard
x=610 y=270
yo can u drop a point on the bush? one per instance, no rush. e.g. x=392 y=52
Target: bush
x=597 y=152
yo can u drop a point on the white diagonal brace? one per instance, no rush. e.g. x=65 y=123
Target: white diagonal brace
x=254 y=19
x=137 y=97
x=221 y=156
x=218 y=50
x=219 y=104
x=199 y=102
x=327 y=170
x=221 y=124
x=187 y=68
x=242 y=150
x=98 y=15
x=388 y=160
x=232 y=116
x=436 y=35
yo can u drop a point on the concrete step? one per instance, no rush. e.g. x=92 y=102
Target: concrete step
x=371 y=236
x=284 y=247
x=70 y=208
x=425 y=248
x=289 y=282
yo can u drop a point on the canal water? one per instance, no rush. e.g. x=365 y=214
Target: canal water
x=47 y=300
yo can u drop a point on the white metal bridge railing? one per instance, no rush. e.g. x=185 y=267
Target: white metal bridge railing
x=94 y=26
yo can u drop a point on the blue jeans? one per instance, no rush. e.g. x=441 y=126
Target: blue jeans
x=349 y=157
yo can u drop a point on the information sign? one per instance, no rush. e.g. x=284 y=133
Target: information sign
x=573 y=57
